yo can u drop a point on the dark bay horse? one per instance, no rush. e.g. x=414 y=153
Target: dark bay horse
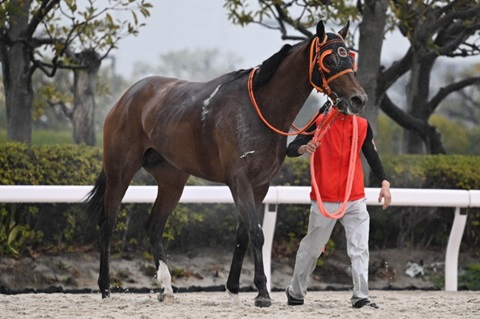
x=174 y=128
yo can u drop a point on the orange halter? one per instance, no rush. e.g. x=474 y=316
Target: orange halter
x=322 y=50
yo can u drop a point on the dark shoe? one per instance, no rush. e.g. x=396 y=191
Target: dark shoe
x=293 y=301
x=365 y=302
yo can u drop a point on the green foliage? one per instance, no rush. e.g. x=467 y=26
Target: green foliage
x=458 y=138
x=301 y=15
x=471 y=277
x=433 y=171
x=14 y=235
x=89 y=26
x=389 y=136
x=49 y=94
x=50 y=137
x=48 y=164
x=422 y=226
x=53 y=226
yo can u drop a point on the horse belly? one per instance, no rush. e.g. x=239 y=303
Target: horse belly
x=178 y=134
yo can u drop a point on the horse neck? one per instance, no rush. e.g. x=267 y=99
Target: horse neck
x=285 y=94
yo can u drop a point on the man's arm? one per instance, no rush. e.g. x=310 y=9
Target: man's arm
x=371 y=155
x=299 y=146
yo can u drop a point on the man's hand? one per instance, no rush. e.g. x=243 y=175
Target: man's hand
x=309 y=148
x=385 y=194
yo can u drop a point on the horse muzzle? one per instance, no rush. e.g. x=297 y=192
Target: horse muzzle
x=352 y=106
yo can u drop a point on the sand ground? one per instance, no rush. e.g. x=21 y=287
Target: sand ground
x=319 y=304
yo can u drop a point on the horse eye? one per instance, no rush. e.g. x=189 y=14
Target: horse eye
x=331 y=60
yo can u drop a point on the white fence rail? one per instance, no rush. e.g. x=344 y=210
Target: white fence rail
x=276 y=195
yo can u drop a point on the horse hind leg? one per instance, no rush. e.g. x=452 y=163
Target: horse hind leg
x=116 y=181
x=171 y=182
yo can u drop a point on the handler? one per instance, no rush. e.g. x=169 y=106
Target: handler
x=331 y=164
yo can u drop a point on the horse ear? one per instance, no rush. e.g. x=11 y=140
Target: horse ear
x=320 y=30
x=344 y=31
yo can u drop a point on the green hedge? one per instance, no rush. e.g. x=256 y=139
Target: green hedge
x=48 y=164
x=59 y=227
x=49 y=226
x=406 y=171
x=433 y=171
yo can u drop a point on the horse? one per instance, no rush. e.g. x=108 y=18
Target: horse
x=175 y=128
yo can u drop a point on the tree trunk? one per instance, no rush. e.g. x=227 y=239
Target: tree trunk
x=84 y=89
x=426 y=139
x=371 y=41
x=17 y=78
x=412 y=141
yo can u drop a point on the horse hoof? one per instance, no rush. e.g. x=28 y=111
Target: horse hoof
x=234 y=299
x=105 y=294
x=263 y=302
x=165 y=297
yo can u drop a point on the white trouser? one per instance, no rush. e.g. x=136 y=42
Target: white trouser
x=356 y=222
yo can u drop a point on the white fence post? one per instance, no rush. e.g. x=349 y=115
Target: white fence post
x=269 y=221
x=453 y=249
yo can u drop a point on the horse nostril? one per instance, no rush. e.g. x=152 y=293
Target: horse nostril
x=357 y=102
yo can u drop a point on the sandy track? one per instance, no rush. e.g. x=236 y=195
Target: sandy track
x=319 y=304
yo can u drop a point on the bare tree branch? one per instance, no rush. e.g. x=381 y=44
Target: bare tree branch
x=45 y=8
x=453 y=87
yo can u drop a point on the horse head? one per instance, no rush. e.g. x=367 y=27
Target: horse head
x=332 y=70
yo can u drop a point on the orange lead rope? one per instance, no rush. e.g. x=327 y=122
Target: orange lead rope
x=259 y=112
x=320 y=132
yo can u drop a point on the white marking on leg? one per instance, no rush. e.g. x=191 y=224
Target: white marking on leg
x=234 y=298
x=165 y=280
x=246 y=153
x=207 y=102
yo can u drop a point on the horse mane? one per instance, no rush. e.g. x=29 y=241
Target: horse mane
x=270 y=65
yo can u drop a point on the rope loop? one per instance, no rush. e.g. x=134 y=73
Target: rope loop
x=319 y=133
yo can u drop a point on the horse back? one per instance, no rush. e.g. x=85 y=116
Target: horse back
x=196 y=126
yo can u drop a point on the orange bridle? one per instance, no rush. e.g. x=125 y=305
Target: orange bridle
x=318 y=52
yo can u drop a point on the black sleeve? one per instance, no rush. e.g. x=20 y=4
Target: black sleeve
x=371 y=155
x=301 y=139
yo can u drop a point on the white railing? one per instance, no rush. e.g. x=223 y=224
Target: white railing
x=276 y=195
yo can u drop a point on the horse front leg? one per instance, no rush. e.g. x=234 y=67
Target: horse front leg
x=260 y=280
x=247 y=203
x=257 y=238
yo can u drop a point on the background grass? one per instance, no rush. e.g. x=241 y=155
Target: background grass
x=49 y=137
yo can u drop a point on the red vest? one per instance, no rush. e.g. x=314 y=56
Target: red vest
x=332 y=158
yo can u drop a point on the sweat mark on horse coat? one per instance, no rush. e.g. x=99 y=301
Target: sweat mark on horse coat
x=246 y=153
x=207 y=102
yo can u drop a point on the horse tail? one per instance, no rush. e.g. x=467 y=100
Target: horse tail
x=96 y=197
